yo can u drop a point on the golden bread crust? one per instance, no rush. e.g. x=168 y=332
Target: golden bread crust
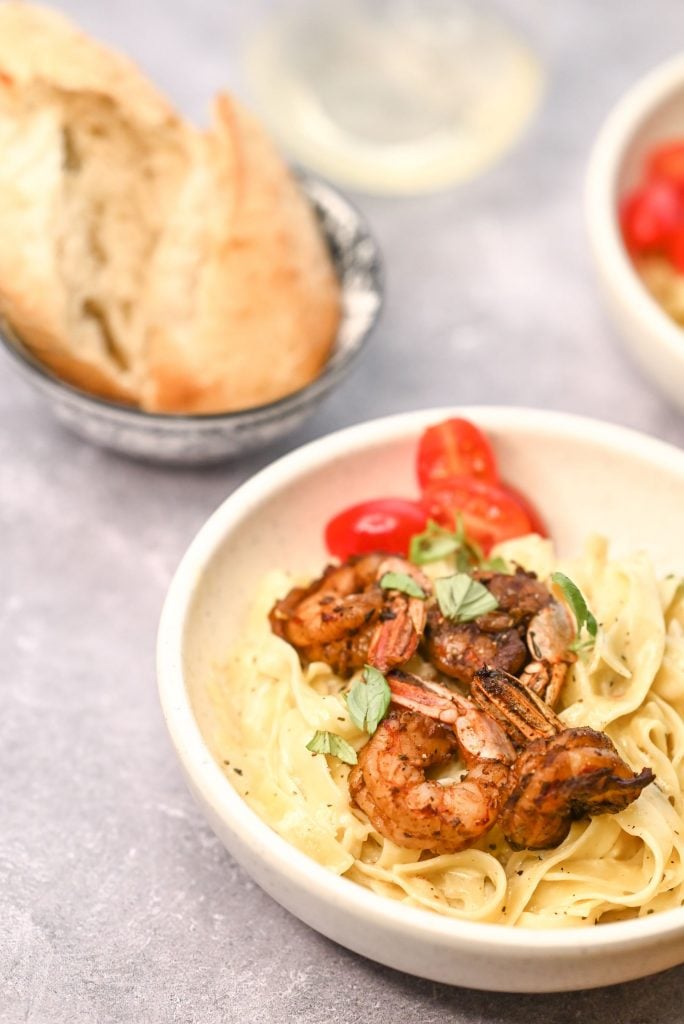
x=254 y=317
x=140 y=259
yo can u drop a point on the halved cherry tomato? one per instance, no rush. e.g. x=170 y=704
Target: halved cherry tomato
x=385 y=524
x=490 y=513
x=674 y=247
x=455 y=447
x=666 y=161
x=650 y=214
x=537 y=524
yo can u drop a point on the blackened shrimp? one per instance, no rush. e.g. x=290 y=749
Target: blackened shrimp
x=557 y=776
x=459 y=649
x=549 y=635
x=560 y=775
x=520 y=595
x=561 y=778
x=347 y=619
x=402 y=619
x=497 y=639
x=529 y=633
x=389 y=782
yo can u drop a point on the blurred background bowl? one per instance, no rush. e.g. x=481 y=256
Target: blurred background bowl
x=650 y=112
x=201 y=439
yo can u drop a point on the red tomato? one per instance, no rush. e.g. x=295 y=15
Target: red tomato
x=650 y=214
x=490 y=512
x=675 y=249
x=455 y=447
x=667 y=162
x=537 y=524
x=385 y=524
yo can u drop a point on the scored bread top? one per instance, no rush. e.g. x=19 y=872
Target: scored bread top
x=140 y=259
x=245 y=303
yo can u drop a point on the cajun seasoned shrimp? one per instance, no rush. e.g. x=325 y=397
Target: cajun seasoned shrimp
x=559 y=779
x=459 y=649
x=478 y=734
x=519 y=595
x=402 y=619
x=496 y=639
x=389 y=781
x=560 y=775
x=334 y=604
x=549 y=635
x=522 y=714
x=346 y=619
x=330 y=619
x=527 y=624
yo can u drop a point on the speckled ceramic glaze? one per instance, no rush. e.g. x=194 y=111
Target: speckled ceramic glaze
x=585 y=477
x=212 y=438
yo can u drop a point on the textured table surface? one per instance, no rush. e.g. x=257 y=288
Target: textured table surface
x=117 y=903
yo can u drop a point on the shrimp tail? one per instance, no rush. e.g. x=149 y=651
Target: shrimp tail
x=523 y=714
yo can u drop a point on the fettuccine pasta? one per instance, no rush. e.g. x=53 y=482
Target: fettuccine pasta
x=630 y=685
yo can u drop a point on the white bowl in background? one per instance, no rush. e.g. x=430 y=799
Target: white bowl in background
x=585 y=476
x=650 y=112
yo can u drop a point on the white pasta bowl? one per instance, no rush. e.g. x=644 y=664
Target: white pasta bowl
x=651 y=111
x=585 y=476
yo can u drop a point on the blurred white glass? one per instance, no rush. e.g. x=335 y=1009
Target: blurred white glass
x=393 y=96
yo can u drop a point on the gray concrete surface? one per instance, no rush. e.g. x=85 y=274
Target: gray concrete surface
x=117 y=904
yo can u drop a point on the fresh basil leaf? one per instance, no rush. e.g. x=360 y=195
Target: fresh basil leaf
x=357 y=704
x=496 y=564
x=462 y=598
x=460 y=531
x=433 y=544
x=379 y=697
x=331 y=743
x=368 y=701
x=465 y=560
x=403 y=582
x=573 y=595
x=436 y=543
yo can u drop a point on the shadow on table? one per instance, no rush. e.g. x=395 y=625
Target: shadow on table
x=654 y=1000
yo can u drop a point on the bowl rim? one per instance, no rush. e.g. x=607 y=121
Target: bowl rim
x=215 y=789
x=335 y=365
x=601 y=199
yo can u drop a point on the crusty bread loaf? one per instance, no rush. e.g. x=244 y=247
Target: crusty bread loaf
x=244 y=303
x=140 y=259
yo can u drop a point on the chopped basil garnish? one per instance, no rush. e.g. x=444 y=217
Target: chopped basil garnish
x=573 y=595
x=496 y=564
x=462 y=598
x=403 y=582
x=436 y=543
x=367 y=702
x=433 y=544
x=330 y=743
